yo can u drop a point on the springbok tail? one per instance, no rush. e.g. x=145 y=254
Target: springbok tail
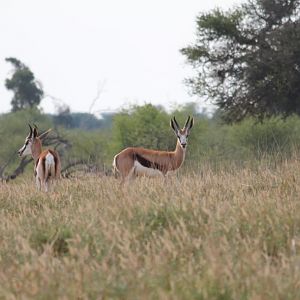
x=49 y=166
x=115 y=168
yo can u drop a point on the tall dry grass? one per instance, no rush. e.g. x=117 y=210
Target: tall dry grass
x=232 y=234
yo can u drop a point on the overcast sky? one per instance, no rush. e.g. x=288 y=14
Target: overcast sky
x=128 y=50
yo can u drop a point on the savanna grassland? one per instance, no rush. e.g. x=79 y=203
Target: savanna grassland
x=231 y=234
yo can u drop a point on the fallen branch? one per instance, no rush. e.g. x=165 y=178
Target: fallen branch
x=19 y=170
x=66 y=171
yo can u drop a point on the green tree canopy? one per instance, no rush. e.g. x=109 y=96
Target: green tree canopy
x=27 y=91
x=247 y=59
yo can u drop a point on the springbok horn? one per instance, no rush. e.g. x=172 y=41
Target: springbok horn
x=44 y=134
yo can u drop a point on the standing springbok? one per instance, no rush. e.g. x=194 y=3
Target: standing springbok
x=145 y=162
x=46 y=163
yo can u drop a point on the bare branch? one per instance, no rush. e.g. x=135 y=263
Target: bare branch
x=100 y=90
x=85 y=166
x=19 y=170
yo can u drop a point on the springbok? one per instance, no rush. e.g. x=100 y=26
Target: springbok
x=46 y=163
x=133 y=161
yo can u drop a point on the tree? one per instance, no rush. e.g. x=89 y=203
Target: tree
x=248 y=59
x=27 y=91
x=63 y=116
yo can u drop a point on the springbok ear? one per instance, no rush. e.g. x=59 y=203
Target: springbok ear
x=35 y=132
x=176 y=123
x=30 y=133
x=191 y=123
x=186 y=123
x=172 y=125
x=44 y=134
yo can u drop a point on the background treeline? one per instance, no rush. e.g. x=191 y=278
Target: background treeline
x=211 y=141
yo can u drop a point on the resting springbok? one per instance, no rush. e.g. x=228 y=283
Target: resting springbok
x=46 y=163
x=133 y=161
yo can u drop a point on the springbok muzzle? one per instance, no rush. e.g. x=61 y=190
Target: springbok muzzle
x=20 y=152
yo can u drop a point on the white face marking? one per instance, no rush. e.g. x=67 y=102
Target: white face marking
x=183 y=138
x=26 y=149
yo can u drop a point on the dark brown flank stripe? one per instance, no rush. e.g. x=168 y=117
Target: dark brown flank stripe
x=44 y=165
x=147 y=163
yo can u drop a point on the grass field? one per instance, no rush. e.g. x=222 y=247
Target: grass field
x=231 y=234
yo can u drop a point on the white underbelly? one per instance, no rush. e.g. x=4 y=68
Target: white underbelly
x=140 y=170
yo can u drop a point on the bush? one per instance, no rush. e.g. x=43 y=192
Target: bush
x=142 y=126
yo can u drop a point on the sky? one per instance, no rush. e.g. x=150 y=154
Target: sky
x=102 y=55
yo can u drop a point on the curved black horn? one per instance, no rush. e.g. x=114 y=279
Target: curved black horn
x=176 y=123
x=187 y=122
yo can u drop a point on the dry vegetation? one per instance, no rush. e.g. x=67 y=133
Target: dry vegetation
x=216 y=235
